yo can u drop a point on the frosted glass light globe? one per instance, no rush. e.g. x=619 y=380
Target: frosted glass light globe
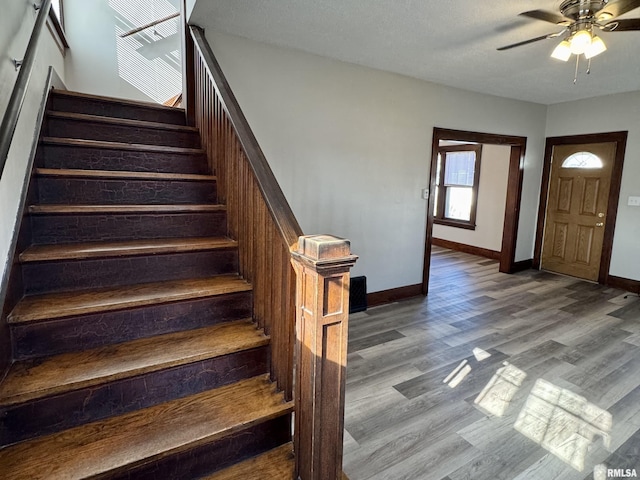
x=580 y=42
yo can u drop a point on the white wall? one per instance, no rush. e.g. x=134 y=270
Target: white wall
x=351 y=145
x=16 y=24
x=492 y=195
x=608 y=114
x=138 y=67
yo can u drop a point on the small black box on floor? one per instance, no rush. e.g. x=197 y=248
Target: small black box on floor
x=358 y=294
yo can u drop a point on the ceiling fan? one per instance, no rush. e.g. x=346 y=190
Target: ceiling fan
x=580 y=19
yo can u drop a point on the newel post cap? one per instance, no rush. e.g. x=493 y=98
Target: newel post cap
x=325 y=251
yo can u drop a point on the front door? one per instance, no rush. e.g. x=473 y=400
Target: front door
x=576 y=208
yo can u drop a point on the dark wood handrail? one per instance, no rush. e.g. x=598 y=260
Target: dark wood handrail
x=273 y=195
x=19 y=92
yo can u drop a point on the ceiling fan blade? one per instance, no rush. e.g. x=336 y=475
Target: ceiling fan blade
x=546 y=16
x=624 y=25
x=531 y=40
x=617 y=8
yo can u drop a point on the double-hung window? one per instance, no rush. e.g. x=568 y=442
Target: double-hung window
x=457 y=178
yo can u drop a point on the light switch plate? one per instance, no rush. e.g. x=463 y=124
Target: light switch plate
x=634 y=201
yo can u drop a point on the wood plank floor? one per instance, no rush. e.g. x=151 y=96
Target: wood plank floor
x=492 y=376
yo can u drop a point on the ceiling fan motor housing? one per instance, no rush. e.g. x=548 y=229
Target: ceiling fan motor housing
x=581 y=9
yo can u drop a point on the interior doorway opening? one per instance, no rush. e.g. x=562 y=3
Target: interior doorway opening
x=517 y=146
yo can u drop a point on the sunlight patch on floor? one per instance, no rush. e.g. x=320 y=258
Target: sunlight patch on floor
x=563 y=423
x=496 y=396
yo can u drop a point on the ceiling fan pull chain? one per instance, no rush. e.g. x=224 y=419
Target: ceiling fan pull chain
x=589 y=67
x=575 y=75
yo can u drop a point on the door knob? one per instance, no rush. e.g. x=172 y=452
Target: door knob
x=599 y=224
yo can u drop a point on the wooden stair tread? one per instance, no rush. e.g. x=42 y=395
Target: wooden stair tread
x=121 y=101
x=85 y=117
x=115 y=174
x=78 y=251
x=65 y=304
x=102 y=144
x=276 y=464
x=119 y=443
x=31 y=379
x=83 y=209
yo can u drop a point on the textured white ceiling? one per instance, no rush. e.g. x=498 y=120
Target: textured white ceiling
x=451 y=42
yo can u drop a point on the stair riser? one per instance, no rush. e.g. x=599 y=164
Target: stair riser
x=208 y=458
x=79 y=191
x=87 y=130
x=98 y=227
x=64 y=103
x=69 y=410
x=90 y=331
x=49 y=277
x=62 y=156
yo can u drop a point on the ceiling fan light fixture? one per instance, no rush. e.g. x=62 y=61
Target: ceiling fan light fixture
x=596 y=48
x=562 y=51
x=580 y=41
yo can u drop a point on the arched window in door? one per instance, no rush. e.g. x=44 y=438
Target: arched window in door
x=582 y=160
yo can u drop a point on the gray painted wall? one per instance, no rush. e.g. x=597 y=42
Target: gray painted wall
x=16 y=24
x=351 y=147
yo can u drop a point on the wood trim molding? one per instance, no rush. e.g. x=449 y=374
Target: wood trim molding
x=624 y=284
x=461 y=247
x=57 y=31
x=620 y=138
x=512 y=208
x=435 y=145
x=453 y=223
x=392 y=295
x=512 y=203
x=478 y=137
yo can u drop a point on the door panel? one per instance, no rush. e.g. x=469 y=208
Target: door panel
x=576 y=210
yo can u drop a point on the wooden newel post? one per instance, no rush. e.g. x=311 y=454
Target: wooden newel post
x=322 y=265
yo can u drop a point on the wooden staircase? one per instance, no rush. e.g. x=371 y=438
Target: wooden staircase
x=135 y=354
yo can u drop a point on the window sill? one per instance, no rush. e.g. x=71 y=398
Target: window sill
x=455 y=223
